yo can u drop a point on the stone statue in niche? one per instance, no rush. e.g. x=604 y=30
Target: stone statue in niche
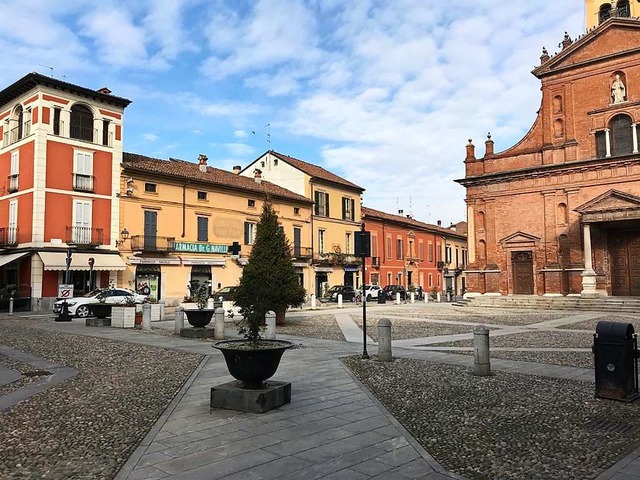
x=618 y=90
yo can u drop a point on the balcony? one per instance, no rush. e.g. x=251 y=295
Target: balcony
x=13 y=183
x=8 y=236
x=152 y=243
x=82 y=133
x=336 y=259
x=83 y=183
x=84 y=236
x=17 y=133
x=412 y=258
x=299 y=252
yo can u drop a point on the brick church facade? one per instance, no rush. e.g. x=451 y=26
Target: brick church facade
x=559 y=212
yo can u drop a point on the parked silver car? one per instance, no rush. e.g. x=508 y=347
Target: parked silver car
x=79 y=306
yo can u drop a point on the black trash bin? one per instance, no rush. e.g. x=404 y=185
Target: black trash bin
x=615 y=350
x=381 y=297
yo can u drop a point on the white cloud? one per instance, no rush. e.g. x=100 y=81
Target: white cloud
x=150 y=137
x=239 y=149
x=240 y=134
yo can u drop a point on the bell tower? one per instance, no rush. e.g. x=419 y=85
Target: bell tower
x=597 y=11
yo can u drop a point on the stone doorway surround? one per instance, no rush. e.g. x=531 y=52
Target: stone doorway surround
x=519 y=243
x=610 y=209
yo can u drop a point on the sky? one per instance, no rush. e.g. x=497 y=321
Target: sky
x=383 y=93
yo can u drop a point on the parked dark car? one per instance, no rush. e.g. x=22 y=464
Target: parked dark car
x=391 y=290
x=347 y=292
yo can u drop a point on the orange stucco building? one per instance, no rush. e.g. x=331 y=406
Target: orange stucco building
x=559 y=212
x=60 y=160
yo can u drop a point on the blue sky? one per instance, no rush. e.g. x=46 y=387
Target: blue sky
x=383 y=93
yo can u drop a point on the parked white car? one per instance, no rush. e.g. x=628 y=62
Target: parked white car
x=371 y=291
x=78 y=306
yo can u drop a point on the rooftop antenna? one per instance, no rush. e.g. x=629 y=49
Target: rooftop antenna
x=410 y=207
x=268 y=132
x=47 y=66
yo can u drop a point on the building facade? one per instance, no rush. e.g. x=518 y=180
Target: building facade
x=559 y=212
x=335 y=218
x=60 y=160
x=185 y=221
x=410 y=253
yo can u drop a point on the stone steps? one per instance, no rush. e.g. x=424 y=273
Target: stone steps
x=609 y=304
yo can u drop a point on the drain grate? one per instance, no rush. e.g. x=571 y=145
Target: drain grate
x=36 y=373
x=608 y=426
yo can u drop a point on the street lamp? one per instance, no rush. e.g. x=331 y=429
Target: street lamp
x=124 y=234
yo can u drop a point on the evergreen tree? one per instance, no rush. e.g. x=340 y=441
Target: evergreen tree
x=269 y=280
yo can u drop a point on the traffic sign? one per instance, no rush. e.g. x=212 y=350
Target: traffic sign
x=65 y=291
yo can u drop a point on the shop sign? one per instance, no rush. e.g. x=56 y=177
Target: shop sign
x=199 y=247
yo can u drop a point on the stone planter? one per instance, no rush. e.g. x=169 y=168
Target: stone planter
x=199 y=318
x=156 y=312
x=252 y=366
x=100 y=310
x=123 y=317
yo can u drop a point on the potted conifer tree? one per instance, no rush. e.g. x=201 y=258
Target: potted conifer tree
x=200 y=317
x=269 y=283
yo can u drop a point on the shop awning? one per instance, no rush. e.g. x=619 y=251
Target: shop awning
x=4 y=259
x=80 y=261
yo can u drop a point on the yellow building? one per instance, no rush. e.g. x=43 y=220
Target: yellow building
x=336 y=215
x=597 y=11
x=182 y=221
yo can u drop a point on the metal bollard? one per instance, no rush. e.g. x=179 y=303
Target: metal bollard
x=313 y=301
x=398 y=298
x=218 y=324
x=426 y=297
x=384 y=340
x=270 y=321
x=179 y=320
x=11 y=306
x=146 y=316
x=340 y=300
x=162 y=310
x=481 y=362
x=438 y=296
x=413 y=297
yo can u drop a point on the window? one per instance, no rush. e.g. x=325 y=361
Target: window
x=430 y=250
x=320 y=241
x=83 y=171
x=14 y=172
x=296 y=210
x=399 y=249
x=447 y=254
x=12 y=236
x=56 y=121
x=203 y=229
x=348 y=208
x=623 y=8
x=322 y=204
x=202 y=195
x=605 y=12
x=105 y=132
x=601 y=144
x=374 y=245
x=621 y=135
x=150 y=188
x=81 y=123
x=81 y=232
x=275 y=162
x=249 y=233
x=251 y=203
x=421 y=250
x=388 y=247
x=347 y=243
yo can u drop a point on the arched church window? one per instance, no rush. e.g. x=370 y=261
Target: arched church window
x=20 y=119
x=605 y=12
x=81 y=123
x=621 y=135
x=562 y=213
x=623 y=8
x=557 y=104
x=481 y=225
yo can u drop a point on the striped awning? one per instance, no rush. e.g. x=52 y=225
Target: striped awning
x=80 y=261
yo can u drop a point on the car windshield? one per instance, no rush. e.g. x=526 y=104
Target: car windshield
x=226 y=289
x=337 y=288
x=93 y=293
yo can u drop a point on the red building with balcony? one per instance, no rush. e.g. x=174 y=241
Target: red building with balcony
x=410 y=253
x=60 y=161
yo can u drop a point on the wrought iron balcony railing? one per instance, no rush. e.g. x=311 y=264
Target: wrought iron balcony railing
x=8 y=236
x=17 y=133
x=13 y=183
x=83 y=183
x=84 y=235
x=152 y=243
x=82 y=133
x=336 y=258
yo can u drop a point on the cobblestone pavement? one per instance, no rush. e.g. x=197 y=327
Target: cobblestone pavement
x=421 y=416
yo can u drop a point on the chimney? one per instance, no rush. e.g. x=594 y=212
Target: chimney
x=236 y=169
x=202 y=163
x=400 y=212
x=566 y=41
x=105 y=91
x=258 y=175
x=439 y=223
x=488 y=146
x=471 y=151
x=545 y=56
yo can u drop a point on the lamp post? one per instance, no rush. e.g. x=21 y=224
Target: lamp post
x=363 y=250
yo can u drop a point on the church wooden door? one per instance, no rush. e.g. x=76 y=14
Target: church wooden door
x=522 y=273
x=624 y=249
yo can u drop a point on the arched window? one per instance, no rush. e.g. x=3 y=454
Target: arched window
x=81 y=123
x=621 y=135
x=557 y=104
x=481 y=225
x=623 y=8
x=20 y=120
x=562 y=213
x=605 y=12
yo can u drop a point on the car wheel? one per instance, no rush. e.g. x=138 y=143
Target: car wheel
x=369 y=298
x=82 y=311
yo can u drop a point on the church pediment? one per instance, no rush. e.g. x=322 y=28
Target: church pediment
x=610 y=201
x=520 y=239
x=615 y=37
